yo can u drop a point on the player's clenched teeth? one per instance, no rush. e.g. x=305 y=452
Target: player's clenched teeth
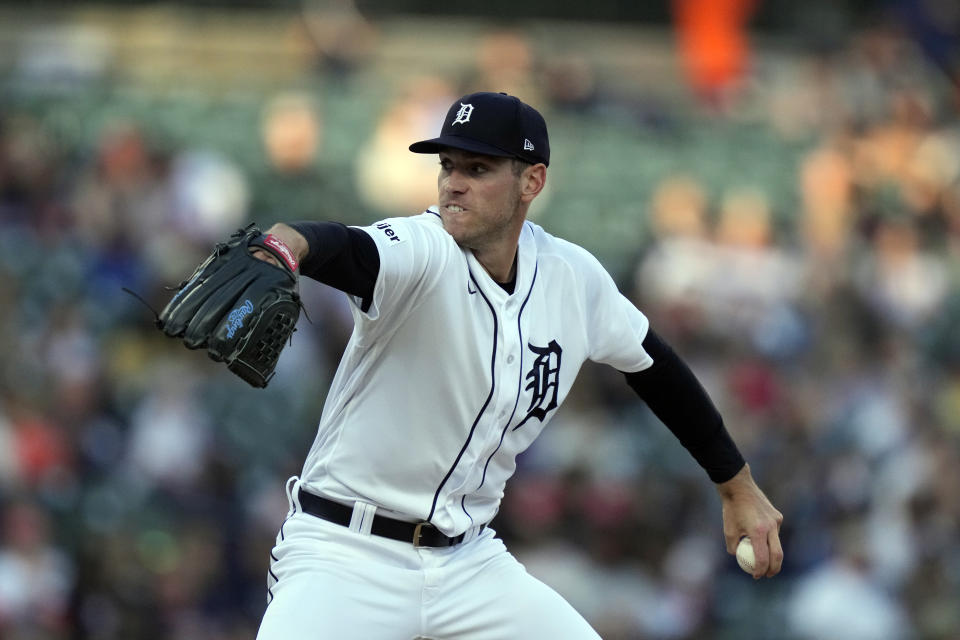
x=454 y=208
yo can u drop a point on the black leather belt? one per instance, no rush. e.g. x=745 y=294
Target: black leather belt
x=421 y=534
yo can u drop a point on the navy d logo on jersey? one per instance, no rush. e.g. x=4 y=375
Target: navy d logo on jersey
x=543 y=381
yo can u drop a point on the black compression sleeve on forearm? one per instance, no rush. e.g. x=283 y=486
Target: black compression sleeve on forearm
x=674 y=394
x=340 y=256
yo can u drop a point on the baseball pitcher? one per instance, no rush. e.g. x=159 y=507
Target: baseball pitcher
x=471 y=323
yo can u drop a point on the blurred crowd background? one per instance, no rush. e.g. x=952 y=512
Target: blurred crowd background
x=776 y=185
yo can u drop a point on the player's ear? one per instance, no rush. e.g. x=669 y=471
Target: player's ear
x=532 y=181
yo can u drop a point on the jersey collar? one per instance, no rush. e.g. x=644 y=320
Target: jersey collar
x=526 y=267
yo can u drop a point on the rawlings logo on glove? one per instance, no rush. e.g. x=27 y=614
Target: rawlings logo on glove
x=248 y=336
x=281 y=249
x=235 y=319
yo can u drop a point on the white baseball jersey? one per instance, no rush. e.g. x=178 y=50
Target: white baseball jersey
x=447 y=377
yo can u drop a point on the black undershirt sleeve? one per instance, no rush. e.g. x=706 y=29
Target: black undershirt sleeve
x=674 y=394
x=340 y=256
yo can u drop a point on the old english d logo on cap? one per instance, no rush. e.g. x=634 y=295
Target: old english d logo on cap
x=463 y=115
x=493 y=124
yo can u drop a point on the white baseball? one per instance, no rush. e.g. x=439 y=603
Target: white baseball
x=745 y=557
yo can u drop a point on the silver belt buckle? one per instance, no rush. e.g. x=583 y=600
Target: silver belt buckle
x=418 y=532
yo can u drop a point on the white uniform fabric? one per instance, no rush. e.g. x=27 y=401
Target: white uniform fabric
x=447 y=377
x=329 y=581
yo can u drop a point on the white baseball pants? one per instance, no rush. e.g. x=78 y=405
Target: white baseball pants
x=331 y=581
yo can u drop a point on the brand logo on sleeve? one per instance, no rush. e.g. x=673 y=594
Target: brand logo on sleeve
x=237 y=316
x=389 y=232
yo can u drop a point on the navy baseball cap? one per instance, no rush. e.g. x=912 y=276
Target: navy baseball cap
x=493 y=124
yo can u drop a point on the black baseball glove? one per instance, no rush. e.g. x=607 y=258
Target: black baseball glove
x=242 y=309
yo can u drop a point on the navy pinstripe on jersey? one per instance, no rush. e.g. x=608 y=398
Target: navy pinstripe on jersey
x=486 y=403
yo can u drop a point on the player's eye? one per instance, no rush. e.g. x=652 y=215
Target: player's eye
x=479 y=168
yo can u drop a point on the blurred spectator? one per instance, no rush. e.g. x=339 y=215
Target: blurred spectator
x=570 y=82
x=292 y=132
x=342 y=39
x=671 y=271
x=839 y=599
x=904 y=284
x=390 y=179
x=35 y=576
x=826 y=221
x=42 y=447
x=505 y=61
x=737 y=284
x=120 y=198
x=169 y=433
x=297 y=177
x=713 y=47
x=210 y=194
x=816 y=294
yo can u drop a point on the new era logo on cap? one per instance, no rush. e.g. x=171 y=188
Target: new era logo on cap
x=493 y=124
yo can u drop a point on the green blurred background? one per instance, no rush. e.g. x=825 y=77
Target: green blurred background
x=775 y=184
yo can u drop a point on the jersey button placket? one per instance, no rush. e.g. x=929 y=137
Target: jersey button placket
x=511 y=348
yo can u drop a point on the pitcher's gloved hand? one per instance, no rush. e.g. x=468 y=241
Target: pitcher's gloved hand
x=241 y=308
